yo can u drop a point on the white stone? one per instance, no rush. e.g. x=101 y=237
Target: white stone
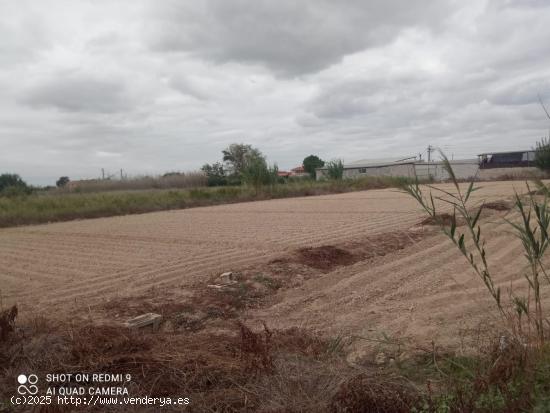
x=144 y=320
x=227 y=278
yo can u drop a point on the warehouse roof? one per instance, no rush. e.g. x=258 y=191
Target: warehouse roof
x=505 y=153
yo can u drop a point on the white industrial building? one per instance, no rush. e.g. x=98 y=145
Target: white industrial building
x=487 y=166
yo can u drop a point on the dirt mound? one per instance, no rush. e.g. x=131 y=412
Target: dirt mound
x=446 y=219
x=328 y=257
x=439 y=219
x=498 y=206
x=383 y=244
x=325 y=257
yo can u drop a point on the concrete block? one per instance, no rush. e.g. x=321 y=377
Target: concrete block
x=144 y=320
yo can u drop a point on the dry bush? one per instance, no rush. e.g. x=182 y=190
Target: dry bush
x=206 y=367
x=177 y=180
x=504 y=376
x=7 y=322
x=304 y=342
x=364 y=393
x=237 y=370
x=256 y=348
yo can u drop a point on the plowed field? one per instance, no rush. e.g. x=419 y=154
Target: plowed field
x=423 y=289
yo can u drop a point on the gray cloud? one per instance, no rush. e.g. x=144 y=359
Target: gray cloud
x=186 y=86
x=152 y=86
x=78 y=93
x=288 y=37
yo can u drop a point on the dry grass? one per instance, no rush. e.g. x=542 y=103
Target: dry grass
x=364 y=393
x=111 y=198
x=231 y=371
x=7 y=322
x=169 y=181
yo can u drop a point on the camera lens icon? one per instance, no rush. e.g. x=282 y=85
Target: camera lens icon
x=31 y=379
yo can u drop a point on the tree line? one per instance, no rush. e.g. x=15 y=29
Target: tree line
x=244 y=164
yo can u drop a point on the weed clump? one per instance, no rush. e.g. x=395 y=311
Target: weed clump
x=7 y=322
x=374 y=394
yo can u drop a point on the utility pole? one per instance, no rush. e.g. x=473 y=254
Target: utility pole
x=430 y=149
x=102 y=173
x=121 y=174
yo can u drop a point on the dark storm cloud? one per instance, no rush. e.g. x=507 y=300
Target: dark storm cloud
x=78 y=93
x=290 y=37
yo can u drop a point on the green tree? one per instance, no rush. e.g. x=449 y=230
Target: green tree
x=12 y=184
x=335 y=169
x=62 y=181
x=258 y=173
x=237 y=155
x=311 y=163
x=7 y=180
x=542 y=155
x=215 y=174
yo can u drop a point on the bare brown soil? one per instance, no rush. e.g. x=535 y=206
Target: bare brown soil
x=440 y=219
x=356 y=264
x=325 y=257
x=498 y=205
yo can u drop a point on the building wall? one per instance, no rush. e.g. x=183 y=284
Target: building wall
x=386 y=170
x=521 y=172
x=389 y=170
x=462 y=170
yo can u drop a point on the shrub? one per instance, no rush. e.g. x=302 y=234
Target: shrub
x=166 y=181
x=257 y=173
x=335 y=169
x=7 y=180
x=13 y=185
x=62 y=181
x=542 y=155
x=215 y=174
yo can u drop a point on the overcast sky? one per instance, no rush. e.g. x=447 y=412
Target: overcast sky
x=156 y=86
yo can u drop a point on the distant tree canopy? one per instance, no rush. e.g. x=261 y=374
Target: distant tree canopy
x=62 y=181
x=311 y=163
x=237 y=155
x=215 y=174
x=12 y=184
x=542 y=154
x=243 y=164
